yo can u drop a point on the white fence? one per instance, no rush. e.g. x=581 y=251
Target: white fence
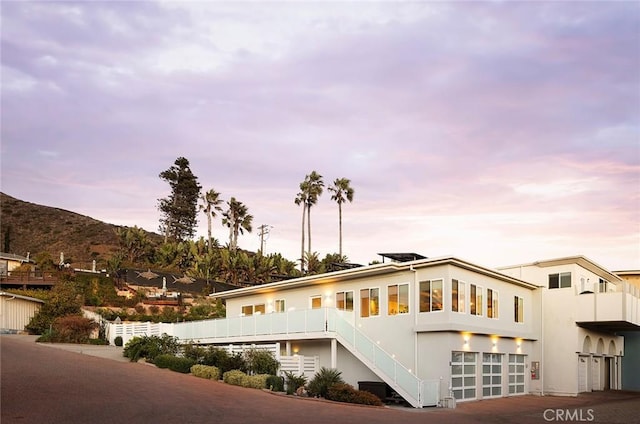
x=300 y=365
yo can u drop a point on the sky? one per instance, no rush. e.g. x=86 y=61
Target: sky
x=498 y=132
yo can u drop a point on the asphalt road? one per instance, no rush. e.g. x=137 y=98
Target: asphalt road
x=40 y=384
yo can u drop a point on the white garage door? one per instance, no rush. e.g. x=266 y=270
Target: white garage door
x=583 y=362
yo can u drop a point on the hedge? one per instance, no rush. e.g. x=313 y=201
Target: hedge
x=206 y=371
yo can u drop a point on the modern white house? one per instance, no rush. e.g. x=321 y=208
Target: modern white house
x=434 y=329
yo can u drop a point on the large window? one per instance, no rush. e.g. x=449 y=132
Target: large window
x=248 y=310
x=398 y=299
x=560 y=281
x=458 y=296
x=492 y=303
x=475 y=300
x=369 y=302
x=279 y=305
x=344 y=301
x=430 y=295
x=518 y=309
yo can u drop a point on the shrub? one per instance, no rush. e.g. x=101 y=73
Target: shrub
x=257 y=381
x=293 y=382
x=234 y=362
x=194 y=352
x=174 y=363
x=149 y=347
x=346 y=393
x=216 y=357
x=234 y=377
x=261 y=361
x=70 y=329
x=275 y=383
x=206 y=371
x=325 y=378
x=118 y=341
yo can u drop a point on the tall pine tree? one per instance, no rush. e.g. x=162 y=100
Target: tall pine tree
x=179 y=210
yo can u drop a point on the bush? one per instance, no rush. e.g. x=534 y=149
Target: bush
x=206 y=371
x=261 y=361
x=325 y=378
x=195 y=352
x=257 y=381
x=149 y=347
x=293 y=382
x=275 y=383
x=174 y=363
x=234 y=362
x=118 y=341
x=234 y=377
x=69 y=329
x=346 y=393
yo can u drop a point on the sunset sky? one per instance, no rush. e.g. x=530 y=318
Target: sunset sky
x=499 y=132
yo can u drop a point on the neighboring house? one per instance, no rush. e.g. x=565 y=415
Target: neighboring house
x=585 y=309
x=16 y=311
x=631 y=359
x=9 y=262
x=433 y=329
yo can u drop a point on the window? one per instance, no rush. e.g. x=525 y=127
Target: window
x=369 y=302
x=602 y=285
x=279 y=305
x=316 y=302
x=518 y=309
x=475 y=300
x=560 y=281
x=259 y=309
x=247 y=310
x=457 y=296
x=398 y=300
x=430 y=295
x=344 y=301
x=492 y=303
x=463 y=375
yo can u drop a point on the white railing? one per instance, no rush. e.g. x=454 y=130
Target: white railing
x=325 y=322
x=417 y=392
x=300 y=365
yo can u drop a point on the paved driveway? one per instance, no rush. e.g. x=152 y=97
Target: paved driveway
x=45 y=384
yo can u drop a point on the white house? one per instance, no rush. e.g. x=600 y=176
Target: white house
x=438 y=328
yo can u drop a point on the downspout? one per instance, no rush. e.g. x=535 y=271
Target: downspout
x=416 y=302
x=542 y=341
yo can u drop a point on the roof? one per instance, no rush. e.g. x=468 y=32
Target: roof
x=581 y=260
x=17 y=296
x=13 y=257
x=370 y=271
x=402 y=257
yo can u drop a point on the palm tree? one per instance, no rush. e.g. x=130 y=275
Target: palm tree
x=314 y=185
x=341 y=191
x=210 y=204
x=301 y=199
x=238 y=219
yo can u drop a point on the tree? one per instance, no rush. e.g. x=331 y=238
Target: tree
x=341 y=191
x=301 y=199
x=310 y=189
x=179 y=210
x=238 y=219
x=210 y=204
x=134 y=243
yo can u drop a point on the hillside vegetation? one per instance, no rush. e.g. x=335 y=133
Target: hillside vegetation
x=37 y=229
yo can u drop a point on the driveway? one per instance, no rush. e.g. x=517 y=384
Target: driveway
x=68 y=384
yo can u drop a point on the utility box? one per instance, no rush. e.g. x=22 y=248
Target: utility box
x=378 y=388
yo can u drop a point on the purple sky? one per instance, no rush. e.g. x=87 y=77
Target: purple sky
x=500 y=132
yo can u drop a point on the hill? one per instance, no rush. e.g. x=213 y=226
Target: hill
x=28 y=227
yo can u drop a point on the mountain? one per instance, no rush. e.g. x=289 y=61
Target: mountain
x=28 y=227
